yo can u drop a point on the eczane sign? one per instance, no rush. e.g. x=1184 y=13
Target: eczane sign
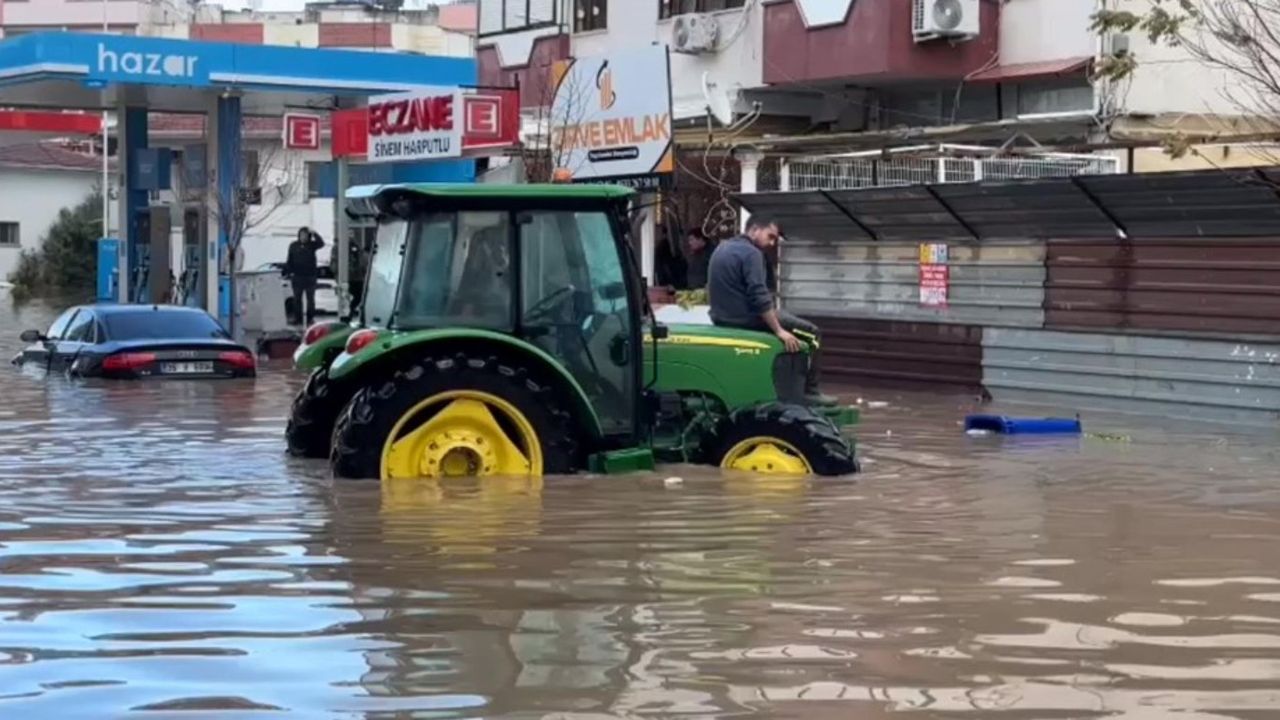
x=422 y=125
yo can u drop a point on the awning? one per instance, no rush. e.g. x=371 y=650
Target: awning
x=1034 y=70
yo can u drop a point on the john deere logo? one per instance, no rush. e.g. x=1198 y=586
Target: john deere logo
x=604 y=83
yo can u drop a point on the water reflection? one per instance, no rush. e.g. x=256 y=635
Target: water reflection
x=160 y=555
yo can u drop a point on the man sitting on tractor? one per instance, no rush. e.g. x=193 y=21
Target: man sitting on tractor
x=740 y=297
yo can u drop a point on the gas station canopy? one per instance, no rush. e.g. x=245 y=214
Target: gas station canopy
x=86 y=71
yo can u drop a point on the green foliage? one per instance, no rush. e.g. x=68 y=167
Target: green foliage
x=66 y=260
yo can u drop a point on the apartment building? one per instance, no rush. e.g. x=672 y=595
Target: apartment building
x=828 y=76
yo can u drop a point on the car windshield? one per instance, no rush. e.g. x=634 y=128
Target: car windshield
x=161 y=325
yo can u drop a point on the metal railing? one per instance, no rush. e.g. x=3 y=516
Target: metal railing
x=933 y=164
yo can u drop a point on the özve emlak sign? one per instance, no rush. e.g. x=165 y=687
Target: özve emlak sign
x=422 y=125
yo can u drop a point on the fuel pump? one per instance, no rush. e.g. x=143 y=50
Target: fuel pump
x=195 y=231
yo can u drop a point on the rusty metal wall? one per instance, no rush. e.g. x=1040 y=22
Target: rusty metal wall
x=1206 y=285
x=1176 y=378
x=998 y=284
x=880 y=353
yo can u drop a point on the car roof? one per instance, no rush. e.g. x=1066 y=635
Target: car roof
x=108 y=309
x=521 y=191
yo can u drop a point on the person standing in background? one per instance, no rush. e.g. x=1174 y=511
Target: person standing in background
x=697 y=256
x=301 y=268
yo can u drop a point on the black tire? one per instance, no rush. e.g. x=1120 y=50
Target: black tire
x=315 y=411
x=365 y=423
x=814 y=435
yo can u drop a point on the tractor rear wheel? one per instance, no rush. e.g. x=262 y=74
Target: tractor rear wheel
x=782 y=439
x=455 y=416
x=312 y=417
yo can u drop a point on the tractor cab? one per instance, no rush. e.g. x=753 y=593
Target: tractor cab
x=505 y=330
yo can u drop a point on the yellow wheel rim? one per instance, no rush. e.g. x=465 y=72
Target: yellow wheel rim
x=766 y=456
x=462 y=433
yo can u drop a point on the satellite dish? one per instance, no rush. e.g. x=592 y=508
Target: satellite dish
x=718 y=103
x=947 y=14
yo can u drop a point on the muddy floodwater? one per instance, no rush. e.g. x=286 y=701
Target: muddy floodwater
x=161 y=557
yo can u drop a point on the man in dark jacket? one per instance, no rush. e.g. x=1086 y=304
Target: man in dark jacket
x=301 y=268
x=738 y=286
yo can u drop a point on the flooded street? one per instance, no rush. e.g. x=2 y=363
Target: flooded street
x=160 y=556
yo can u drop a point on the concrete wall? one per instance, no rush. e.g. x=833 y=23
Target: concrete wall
x=32 y=198
x=737 y=66
x=81 y=14
x=1041 y=30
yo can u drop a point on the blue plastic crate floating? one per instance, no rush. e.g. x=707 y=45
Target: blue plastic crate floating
x=1003 y=425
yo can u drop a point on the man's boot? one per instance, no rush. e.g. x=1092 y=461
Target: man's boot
x=812 y=395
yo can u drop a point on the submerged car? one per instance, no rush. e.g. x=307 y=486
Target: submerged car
x=137 y=341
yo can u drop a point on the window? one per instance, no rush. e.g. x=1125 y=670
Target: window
x=574 y=306
x=383 y=280
x=499 y=16
x=671 y=8
x=9 y=236
x=590 y=15
x=59 y=326
x=317 y=173
x=458 y=272
x=161 y=325
x=1053 y=96
x=81 y=329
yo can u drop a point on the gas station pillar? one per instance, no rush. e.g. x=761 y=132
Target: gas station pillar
x=223 y=131
x=131 y=136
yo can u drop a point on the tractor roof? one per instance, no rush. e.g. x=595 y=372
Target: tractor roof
x=364 y=199
x=479 y=190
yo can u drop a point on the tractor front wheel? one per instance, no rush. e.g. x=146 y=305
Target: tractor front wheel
x=455 y=416
x=312 y=417
x=782 y=439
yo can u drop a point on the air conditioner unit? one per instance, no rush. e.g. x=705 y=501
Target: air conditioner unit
x=945 y=20
x=694 y=34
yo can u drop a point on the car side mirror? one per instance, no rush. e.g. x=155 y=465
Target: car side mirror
x=32 y=336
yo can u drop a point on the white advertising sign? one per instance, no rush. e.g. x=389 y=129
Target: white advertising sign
x=420 y=125
x=611 y=117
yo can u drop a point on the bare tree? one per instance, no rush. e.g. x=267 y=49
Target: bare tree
x=1240 y=38
x=253 y=204
x=256 y=197
x=563 y=106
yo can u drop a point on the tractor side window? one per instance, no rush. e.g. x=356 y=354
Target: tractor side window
x=574 y=306
x=457 y=272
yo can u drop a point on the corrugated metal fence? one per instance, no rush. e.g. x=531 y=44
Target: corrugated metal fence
x=1141 y=293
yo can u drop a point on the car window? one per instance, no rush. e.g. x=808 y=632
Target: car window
x=59 y=326
x=81 y=328
x=162 y=325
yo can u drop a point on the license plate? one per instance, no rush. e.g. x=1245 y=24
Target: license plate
x=183 y=368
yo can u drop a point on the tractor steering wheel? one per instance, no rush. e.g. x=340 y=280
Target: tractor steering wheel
x=551 y=302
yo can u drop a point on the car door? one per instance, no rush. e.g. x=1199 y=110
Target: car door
x=79 y=334
x=39 y=353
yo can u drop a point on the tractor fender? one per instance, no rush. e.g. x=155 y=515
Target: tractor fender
x=383 y=355
x=310 y=357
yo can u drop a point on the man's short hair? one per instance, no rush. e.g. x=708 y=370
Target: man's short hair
x=762 y=221
x=696 y=233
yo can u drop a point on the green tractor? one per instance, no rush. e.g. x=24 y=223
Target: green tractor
x=505 y=330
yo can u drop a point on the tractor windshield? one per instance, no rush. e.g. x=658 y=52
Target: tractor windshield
x=384 y=273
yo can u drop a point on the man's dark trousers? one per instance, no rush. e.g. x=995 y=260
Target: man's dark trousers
x=806 y=332
x=304 y=287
